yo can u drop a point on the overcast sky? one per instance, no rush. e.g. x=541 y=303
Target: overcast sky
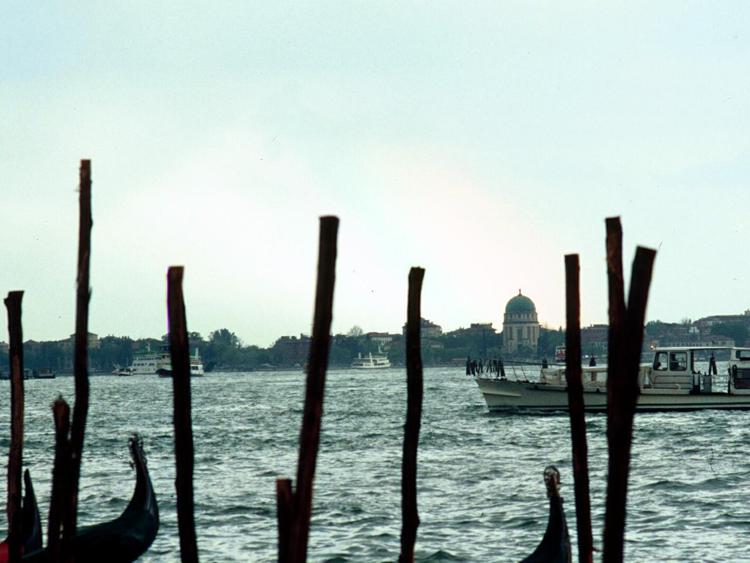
x=480 y=140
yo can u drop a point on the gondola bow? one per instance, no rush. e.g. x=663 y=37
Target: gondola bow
x=555 y=545
x=128 y=536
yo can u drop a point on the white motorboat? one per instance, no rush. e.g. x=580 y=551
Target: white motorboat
x=371 y=362
x=152 y=363
x=679 y=378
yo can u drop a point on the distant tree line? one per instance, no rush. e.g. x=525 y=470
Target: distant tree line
x=224 y=351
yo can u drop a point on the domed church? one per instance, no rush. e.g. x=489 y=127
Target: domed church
x=520 y=325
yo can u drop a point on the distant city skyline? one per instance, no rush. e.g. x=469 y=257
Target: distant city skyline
x=482 y=142
x=497 y=326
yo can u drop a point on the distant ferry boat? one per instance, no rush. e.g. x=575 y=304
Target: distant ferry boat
x=153 y=363
x=28 y=373
x=41 y=373
x=371 y=362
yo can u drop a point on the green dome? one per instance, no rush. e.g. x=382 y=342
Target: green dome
x=520 y=304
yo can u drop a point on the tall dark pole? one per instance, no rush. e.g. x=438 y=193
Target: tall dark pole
x=80 y=360
x=183 y=425
x=320 y=345
x=414 y=384
x=15 y=456
x=295 y=507
x=625 y=341
x=576 y=408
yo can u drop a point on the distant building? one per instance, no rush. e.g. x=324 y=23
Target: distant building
x=379 y=338
x=594 y=337
x=707 y=323
x=428 y=329
x=481 y=328
x=93 y=341
x=520 y=325
x=292 y=349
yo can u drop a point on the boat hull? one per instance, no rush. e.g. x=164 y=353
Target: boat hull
x=502 y=395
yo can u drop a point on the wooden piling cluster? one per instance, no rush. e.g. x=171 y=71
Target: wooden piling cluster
x=69 y=437
x=70 y=426
x=625 y=341
x=294 y=503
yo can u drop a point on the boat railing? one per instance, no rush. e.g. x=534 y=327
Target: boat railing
x=512 y=370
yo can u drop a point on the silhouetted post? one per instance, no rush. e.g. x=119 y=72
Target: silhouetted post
x=285 y=517
x=15 y=456
x=625 y=341
x=414 y=384
x=60 y=478
x=299 y=513
x=80 y=359
x=183 y=426
x=576 y=408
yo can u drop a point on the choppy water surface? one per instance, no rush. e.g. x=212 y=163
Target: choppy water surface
x=481 y=496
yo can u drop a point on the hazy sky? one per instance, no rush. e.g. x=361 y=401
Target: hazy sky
x=480 y=140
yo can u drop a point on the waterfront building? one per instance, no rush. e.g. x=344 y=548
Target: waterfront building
x=520 y=325
x=427 y=329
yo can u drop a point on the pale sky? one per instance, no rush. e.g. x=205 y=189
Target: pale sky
x=480 y=140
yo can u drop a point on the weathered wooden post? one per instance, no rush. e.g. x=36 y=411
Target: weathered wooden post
x=576 y=408
x=80 y=360
x=183 y=426
x=625 y=341
x=414 y=384
x=15 y=456
x=61 y=479
x=294 y=508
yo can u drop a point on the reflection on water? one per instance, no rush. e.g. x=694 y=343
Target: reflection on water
x=481 y=496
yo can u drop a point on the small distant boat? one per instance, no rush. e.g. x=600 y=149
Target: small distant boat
x=159 y=363
x=31 y=524
x=196 y=367
x=44 y=373
x=371 y=362
x=28 y=373
x=125 y=538
x=555 y=545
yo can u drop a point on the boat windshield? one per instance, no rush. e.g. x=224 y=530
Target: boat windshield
x=672 y=361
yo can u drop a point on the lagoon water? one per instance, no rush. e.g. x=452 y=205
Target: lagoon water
x=481 y=495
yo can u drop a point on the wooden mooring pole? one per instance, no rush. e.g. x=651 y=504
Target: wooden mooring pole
x=576 y=408
x=294 y=507
x=61 y=479
x=414 y=385
x=15 y=456
x=80 y=361
x=183 y=427
x=625 y=341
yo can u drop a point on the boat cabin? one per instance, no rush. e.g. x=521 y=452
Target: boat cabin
x=695 y=369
